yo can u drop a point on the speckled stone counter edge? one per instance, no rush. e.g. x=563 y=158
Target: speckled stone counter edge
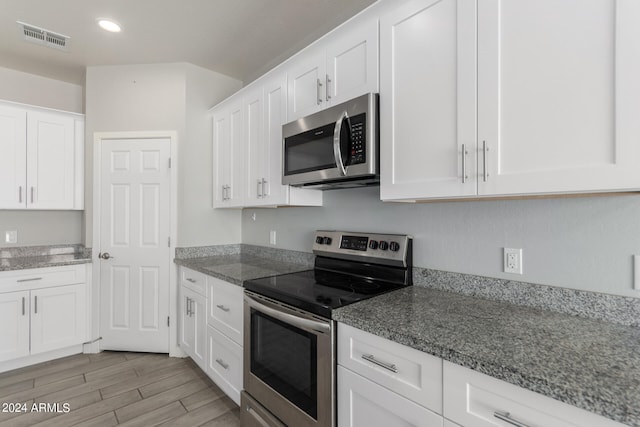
x=35 y=251
x=283 y=255
x=593 y=305
x=204 y=251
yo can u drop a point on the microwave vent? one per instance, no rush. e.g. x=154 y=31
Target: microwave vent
x=44 y=37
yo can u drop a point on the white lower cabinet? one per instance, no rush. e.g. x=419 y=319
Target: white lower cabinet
x=211 y=330
x=473 y=399
x=193 y=333
x=363 y=403
x=225 y=363
x=41 y=311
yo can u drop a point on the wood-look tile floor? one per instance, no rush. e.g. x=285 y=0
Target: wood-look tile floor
x=115 y=388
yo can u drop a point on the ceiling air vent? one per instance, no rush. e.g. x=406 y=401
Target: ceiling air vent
x=44 y=37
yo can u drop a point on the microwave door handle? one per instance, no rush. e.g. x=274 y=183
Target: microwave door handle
x=337 y=154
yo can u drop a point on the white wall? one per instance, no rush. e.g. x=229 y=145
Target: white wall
x=41 y=227
x=580 y=243
x=164 y=97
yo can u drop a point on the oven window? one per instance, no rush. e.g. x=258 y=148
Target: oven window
x=309 y=151
x=285 y=358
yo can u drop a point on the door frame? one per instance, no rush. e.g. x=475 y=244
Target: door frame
x=98 y=138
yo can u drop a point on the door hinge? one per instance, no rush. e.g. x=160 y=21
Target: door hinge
x=168 y=322
x=169 y=241
x=169 y=162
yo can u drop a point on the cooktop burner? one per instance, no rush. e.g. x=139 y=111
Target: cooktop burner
x=349 y=267
x=319 y=291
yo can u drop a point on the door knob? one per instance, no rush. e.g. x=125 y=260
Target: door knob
x=104 y=255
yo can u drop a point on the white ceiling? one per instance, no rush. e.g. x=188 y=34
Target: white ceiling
x=239 y=38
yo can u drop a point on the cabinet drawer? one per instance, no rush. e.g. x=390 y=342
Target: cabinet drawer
x=225 y=363
x=36 y=278
x=362 y=403
x=473 y=399
x=193 y=280
x=225 y=308
x=417 y=376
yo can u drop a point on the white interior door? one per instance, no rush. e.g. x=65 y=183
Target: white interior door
x=135 y=230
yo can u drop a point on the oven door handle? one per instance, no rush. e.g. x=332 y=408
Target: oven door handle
x=312 y=326
x=337 y=143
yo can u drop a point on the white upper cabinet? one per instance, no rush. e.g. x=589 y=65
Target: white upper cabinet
x=337 y=68
x=228 y=151
x=558 y=95
x=552 y=83
x=427 y=99
x=42 y=162
x=13 y=161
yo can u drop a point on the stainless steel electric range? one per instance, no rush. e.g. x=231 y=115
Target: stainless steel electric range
x=289 y=337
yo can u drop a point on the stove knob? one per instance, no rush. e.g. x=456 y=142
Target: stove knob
x=326 y=240
x=394 y=246
x=373 y=244
x=319 y=240
x=383 y=245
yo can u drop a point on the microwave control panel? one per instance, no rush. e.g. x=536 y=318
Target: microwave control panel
x=357 y=148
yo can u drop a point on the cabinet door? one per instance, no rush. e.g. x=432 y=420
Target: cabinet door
x=275 y=112
x=363 y=403
x=352 y=61
x=50 y=161
x=14 y=325
x=306 y=79
x=228 y=152
x=193 y=329
x=252 y=105
x=57 y=317
x=558 y=95
x=13 y=161
x=225 y=363
x=427 y=100
x=225 y=311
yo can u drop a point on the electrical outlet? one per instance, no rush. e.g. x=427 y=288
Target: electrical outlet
x=11 y=236
x=272 y=237
x=513 y=260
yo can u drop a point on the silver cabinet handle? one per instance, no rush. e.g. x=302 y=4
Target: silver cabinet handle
x=326 y=87
x=35 y=304
x=388 y=366
x=29 y=280
x=464 y=163
x=228 y=192
x=186 y=301
x=485 y=148
x=221 y=363
x=223 y=308
x=259 y=189
x=319 y=87
x=505 y=416
x=23 y=309
x=20 y=194
x=257 y=417
x=31 y=194
x=265 y=193
x=336 y=142
x=224 y=197
x=189 y=279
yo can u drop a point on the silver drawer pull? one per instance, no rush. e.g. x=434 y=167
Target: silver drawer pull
x=505 y=416
x=389 y=366
x=221 y=363
x=223 y=308
x=189 y=279
x=23 y=309
x=29 y=280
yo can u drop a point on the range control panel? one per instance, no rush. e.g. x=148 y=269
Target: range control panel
x=388 y=249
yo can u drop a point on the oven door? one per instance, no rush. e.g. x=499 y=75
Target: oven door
x=289 y=362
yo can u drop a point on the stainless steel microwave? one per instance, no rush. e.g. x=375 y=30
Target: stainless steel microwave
x=334 y=148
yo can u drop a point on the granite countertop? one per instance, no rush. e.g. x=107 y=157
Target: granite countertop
x=42 y=261
x=240 y=267
x=591 y=364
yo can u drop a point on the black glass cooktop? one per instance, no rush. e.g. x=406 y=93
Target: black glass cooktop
x=320 y=291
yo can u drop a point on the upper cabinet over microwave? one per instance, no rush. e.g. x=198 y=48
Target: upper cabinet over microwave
x=503 y=98
x=339 y=67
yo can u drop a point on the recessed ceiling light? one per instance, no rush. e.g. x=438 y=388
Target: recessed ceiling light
x=109 y=25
